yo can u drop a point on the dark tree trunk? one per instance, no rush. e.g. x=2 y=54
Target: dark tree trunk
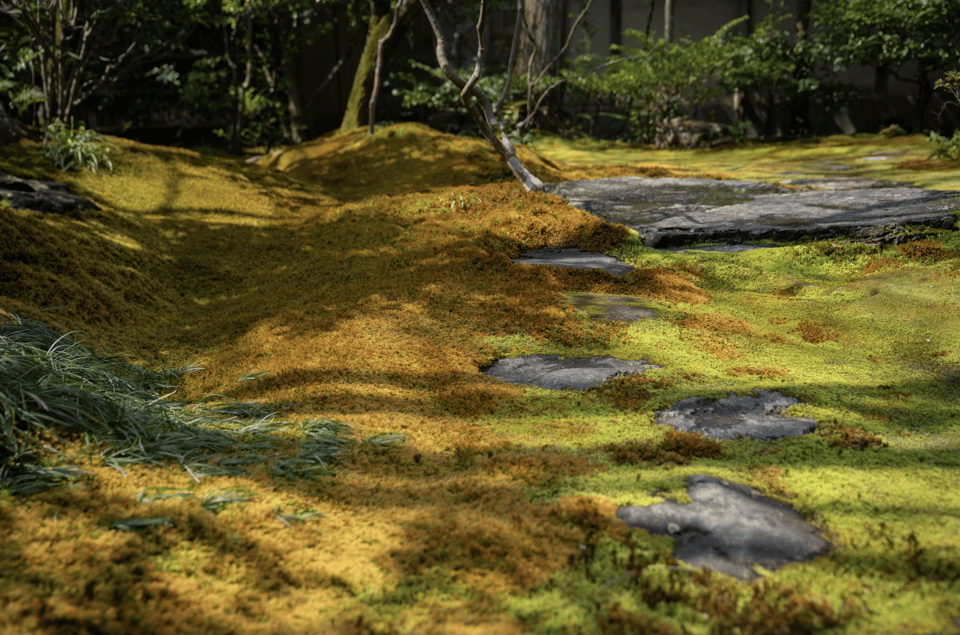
x=616 y=22
x=542 y=37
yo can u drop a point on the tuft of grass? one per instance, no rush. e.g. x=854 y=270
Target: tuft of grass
x=55 y=392
x=76 y=148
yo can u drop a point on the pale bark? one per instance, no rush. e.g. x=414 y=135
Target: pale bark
x=481 y=111
x=372 y=108
x=357 y=101
x=668 y=20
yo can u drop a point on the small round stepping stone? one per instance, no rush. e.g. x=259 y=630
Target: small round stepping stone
x=575 y=259
x=729 y=527
x=553 y=373
x=737 y=417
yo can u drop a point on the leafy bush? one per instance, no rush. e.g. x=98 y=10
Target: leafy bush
x=78 y=148
x=657 y=80
x=418 y=87
x=783 y=71
x=946 y=147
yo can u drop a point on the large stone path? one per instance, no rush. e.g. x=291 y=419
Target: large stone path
x=671 y=212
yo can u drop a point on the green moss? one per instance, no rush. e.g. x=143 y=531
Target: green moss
x=371 y=297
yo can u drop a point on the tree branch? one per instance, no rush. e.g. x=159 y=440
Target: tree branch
x=483 y=115
x=375 y=91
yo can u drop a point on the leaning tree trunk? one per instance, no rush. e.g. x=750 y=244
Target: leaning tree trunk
x=482 y=112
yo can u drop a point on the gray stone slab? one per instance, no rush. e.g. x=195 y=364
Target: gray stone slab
x=48 y=197
x=575 y=259
x=729 y=528
x=553 y=373
x=757 y=417
x=672 y=212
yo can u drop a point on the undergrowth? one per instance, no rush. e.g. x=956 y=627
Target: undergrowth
x=55 y=393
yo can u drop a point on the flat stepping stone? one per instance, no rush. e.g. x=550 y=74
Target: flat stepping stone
x=737 y=417
x=553 y=373
x=612 y=308
x=729 y=528
x=672 y=212
x=575 y=259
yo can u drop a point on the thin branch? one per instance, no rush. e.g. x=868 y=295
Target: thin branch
x=478 y=67
x=371 y=118
x=498 y=107
x=503 y=146
x=531 y=112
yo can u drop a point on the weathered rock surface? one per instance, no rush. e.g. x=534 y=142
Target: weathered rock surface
x=729 y=527
x=549 y=371
x=670 y=212
x=574 y=258
x=735 y=417
x=50 y=197
x=12 y=130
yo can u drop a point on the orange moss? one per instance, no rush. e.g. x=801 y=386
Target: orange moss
x=878 y=264
x=630 y=392
x=778 y=320
x=813 y=333
x=768 y=372
x=839 y=435
x=925 y=250
x=677 y=448
x=714 y=322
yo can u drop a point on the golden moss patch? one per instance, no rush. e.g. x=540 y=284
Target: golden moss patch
x=370 y=279
x=677 y=448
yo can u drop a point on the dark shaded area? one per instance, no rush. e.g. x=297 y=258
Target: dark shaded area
x=49 y=197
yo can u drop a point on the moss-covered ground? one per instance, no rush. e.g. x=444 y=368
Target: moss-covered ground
x=368 y=280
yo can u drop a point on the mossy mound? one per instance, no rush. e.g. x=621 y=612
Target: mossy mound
x=368 y=283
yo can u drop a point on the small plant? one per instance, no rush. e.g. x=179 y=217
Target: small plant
x=946 y=147
x=739 y=130
x=892 y=131
x=75 y=148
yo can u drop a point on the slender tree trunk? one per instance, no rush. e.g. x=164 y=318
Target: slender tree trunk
x=668 y=20
x=356 y=113
x=374 y=93
x=653 y=5
x=543 y=36
x=800 y=115
x=294 y=102
x=482 y=111
x=616 y=22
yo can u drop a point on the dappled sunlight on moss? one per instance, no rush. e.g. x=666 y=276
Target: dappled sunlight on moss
x=369 y=280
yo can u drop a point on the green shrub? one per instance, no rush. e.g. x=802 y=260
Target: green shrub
x=75 y=148
x=946 y=147
x=657 y=80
